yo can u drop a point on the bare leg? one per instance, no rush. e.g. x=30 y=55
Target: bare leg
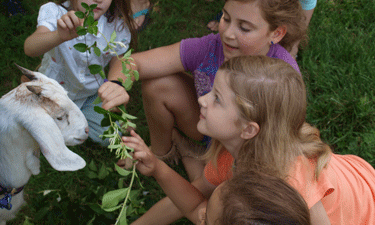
x=171 y=101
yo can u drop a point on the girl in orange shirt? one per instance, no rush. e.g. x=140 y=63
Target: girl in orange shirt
x=256 y=112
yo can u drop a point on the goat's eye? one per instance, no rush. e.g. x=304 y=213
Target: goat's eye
x=59 y=118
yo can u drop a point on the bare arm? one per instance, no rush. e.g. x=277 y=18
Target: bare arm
x=319 y=215
x=158 y=62
x=43 y=40
x=185 y=196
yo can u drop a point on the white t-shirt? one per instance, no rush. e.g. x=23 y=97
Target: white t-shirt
x=69 y=66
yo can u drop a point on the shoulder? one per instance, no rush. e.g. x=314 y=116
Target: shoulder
x=302 y=178
x=279 y=52
x=201 y=41
x=51 y=7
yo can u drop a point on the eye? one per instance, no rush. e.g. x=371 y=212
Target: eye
x=59 y=118
x=244 y=29
x=217 y=100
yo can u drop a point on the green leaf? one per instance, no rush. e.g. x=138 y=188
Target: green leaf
x=93 y=6
x=80 y=14
x=112 y=198
x=91 y=174
x=114 y=146
x=102 y=74
x=81 y=47
x=27 y=222
x=88 y=21
x=105 y=122
x=111 y=209
x=113 y=36
x=92 y=30
x=130 y=117
x=95 y=68
x=97 y=51
x=97 y=101
x=85 y=6
x=128 y=54
x=130 y=124
x=122 y=171
x=116 y=117
x=92 y=166
x=81 y=31
x=128 y=84
x=103 y=172
x=100 y=110
x=122 y=108
x=136 y=75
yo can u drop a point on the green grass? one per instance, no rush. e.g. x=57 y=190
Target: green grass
x=338 y=67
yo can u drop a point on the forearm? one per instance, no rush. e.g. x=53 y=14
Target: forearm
x=39 y=43
x=182 y=193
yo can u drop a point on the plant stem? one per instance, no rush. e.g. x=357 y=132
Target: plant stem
x=127 y=196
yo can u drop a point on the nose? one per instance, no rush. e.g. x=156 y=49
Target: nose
x=87 y=130
x=201 y=101
x=229 y=31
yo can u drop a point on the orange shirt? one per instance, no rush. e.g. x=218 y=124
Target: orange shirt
x=346 y=187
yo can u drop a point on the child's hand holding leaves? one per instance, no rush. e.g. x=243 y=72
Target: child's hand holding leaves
x=67 y=25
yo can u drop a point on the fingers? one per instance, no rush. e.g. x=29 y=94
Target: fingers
x=67 y=25
x=112 y=95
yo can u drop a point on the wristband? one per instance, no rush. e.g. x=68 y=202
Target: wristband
x=114 y=81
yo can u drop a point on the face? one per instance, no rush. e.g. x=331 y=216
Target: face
x=211 y=214
x=220 y=118
x=243 y=30
x=101 y=9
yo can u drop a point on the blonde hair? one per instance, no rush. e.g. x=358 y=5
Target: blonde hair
x=284 y=12
x=272 y=93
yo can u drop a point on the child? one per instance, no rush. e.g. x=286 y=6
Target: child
x=248 y=27
x=250 y=197
x=261 y=103
x=55 y=37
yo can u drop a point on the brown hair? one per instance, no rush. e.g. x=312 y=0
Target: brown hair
x=284 y=12
x=272 y=93
x=118 y=9
x=255 y=198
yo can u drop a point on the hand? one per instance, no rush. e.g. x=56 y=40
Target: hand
x=112 y=95
x=67 y=24
x=147 y=161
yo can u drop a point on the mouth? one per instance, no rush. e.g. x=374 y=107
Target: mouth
x=97 y=9
x=201 y=117
x=229 y=47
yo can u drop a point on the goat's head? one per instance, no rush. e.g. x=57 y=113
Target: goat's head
x=60 y=121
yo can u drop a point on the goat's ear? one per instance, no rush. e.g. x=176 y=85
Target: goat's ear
x=51 y=143
x=35 y=89
x=28 y=73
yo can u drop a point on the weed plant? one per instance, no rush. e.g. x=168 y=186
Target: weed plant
x=338 y=66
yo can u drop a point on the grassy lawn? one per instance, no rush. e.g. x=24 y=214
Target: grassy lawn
x=338 y=66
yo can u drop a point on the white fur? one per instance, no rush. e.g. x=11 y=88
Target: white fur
x=31 y=123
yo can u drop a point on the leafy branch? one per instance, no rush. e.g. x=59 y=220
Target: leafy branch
x=117 y=123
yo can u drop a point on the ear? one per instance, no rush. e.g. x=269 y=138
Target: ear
x=250 y=130
x=51 y=142
x=278 y=34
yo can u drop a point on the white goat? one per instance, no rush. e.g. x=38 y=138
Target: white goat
x=36 y=116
